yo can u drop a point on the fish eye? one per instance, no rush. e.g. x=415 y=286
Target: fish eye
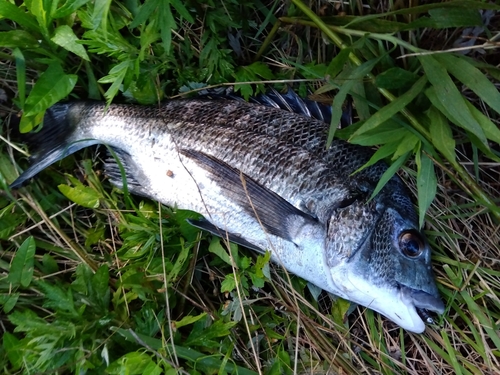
x=411 y=244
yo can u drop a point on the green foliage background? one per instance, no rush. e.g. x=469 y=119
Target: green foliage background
x=114 y=284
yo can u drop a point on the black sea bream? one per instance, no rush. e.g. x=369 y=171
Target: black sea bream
x=263 y=177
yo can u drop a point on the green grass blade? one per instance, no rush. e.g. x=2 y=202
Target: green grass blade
x=392 y=108
x=21 y=269
x=472 y=77
x=426 y=185
x=449 y=97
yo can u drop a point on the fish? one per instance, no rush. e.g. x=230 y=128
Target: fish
x=260 y=175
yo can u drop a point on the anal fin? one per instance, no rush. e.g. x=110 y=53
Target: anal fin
x=119 y=158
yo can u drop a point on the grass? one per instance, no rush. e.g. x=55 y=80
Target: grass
x=118 y=284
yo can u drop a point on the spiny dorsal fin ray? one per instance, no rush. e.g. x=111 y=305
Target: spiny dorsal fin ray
x=272 y=211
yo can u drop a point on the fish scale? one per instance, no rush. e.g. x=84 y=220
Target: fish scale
x=262 y=177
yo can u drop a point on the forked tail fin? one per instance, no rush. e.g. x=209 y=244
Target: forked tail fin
x=52 y=143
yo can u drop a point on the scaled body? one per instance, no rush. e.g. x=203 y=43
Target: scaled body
x=263 y=177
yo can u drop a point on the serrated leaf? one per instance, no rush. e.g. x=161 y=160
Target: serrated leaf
x=66 y=38
x=441 y=134
x=116 y=77
x=449 y=97
x=82 y=195
x=426 y=185
x=21 y=269
x=391 y=109
x=473 y=78
x=58 y=298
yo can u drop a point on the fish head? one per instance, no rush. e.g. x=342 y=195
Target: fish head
x=379 y=259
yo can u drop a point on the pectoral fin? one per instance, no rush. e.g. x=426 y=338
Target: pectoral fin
x=209 y=227
x=272 y=211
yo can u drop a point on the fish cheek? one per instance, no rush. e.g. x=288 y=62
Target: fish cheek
x=347 y=232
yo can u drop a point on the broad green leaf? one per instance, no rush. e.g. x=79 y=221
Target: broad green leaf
x=133 y=363
x=219 y=250
x=388 y=132
x=18 y=15
x=9 y=301
x=188 y=354
x=406 y=145
x=49 y=264
x=18 y=38
x=100 y=14
x=180 y=261
x=82 y=195
x=187 y=320
x=145 y=11
x=426 y=185
x=391 y=171
x=392 y=108
x=449 y=97
x=20 y=75
x=39 y=8
x=347 y=80
x=52 y=86
x=13 y=348
x=340 y=309
x=491 y=130
x=21 y=269
x=338 y=63
x=181 y=8
x=473 y=78
x=66 y=38
x=442 y=18
x=70 y=6
x=395 y=78
x=441 y=134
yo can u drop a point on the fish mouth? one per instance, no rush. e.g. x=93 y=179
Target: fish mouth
x=424 y=303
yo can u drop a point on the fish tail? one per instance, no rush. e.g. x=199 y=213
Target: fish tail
x=54 y=141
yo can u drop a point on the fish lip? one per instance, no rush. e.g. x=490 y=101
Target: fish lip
x=423 y=300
